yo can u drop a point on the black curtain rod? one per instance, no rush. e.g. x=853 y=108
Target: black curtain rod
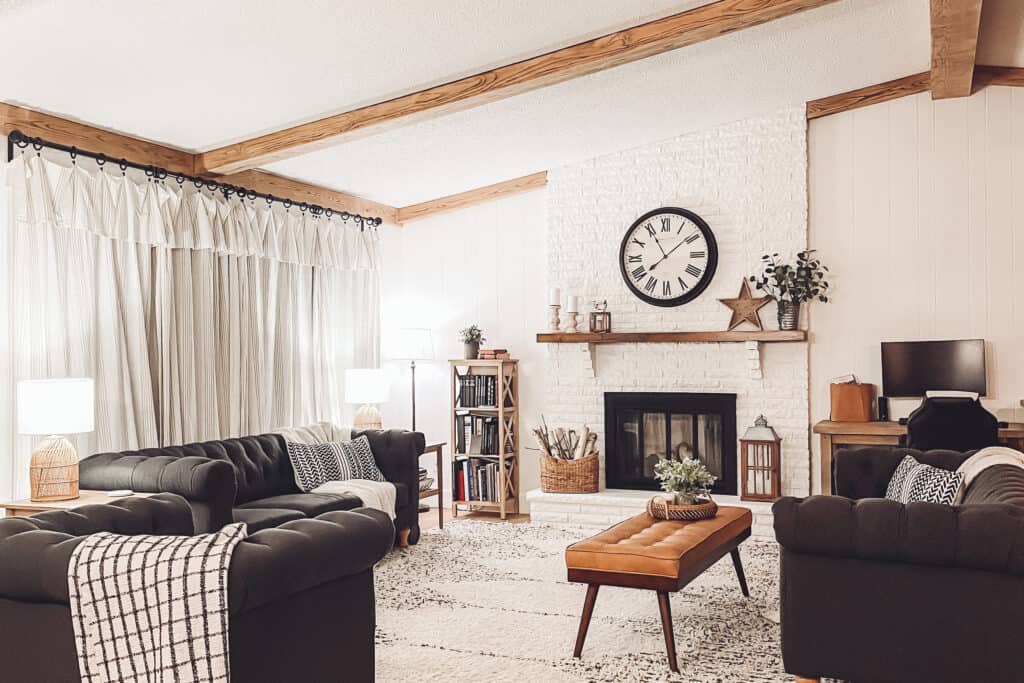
x=18 y=139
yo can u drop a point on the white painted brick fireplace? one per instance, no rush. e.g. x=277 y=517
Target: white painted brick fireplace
x=748 y=180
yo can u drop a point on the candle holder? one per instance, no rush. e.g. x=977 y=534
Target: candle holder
x=573 y=322
x=554 y=321
x=600 y=318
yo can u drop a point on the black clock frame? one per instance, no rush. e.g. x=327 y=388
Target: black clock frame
x=709 y=273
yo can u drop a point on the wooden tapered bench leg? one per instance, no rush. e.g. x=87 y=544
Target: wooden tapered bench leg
x=666 y=625
x=588 y=609
x=737 y=564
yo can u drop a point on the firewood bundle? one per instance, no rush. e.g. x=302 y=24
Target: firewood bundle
x=565 y=444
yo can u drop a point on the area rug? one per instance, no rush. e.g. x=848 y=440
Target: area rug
x=489 y=601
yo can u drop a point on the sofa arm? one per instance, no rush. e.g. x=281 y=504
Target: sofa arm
x=273 y=564
x=397 y=452
x=35 y=551
x=198 y=480
x=986 y=537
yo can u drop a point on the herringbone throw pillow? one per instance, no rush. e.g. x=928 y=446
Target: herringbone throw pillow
x=916 y=482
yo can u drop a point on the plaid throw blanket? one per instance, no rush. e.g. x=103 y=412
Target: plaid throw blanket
x=152 y=608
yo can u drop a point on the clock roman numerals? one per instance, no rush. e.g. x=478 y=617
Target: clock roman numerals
x=682 y=284
x=692 y=238
x=638 y=242
x=693 y=270
x=698 y=254
x=638 y=273
x=666 y=224
x=651 y=283
x=650 y=230
x=635 y=258
x=666 y=288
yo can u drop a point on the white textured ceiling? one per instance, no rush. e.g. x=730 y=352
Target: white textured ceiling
x=199 y=74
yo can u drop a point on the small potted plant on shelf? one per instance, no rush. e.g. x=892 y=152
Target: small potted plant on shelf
x=471 y=337
x=791 y=284
x=689 y=482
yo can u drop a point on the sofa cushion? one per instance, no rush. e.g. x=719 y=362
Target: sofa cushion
x=315 y=464
x=309 y=504
x=357 y=461
x=915 y=482
x=265 y=518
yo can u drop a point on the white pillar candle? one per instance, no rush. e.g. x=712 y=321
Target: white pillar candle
x=574 y=304
x=555 y=298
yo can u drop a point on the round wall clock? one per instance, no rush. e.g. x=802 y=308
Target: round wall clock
x=668 y=256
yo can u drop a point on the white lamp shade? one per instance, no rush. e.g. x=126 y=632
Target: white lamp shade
x=366 y=385
x=56 y=406
x=413 y=343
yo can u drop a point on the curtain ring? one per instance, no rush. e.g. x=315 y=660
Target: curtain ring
x=303 y=206
x=270 y=200
x=180 y=179
x=328 y=212
x=123 y=165
x=101 y=159
x=251 y=196
x=287 y=204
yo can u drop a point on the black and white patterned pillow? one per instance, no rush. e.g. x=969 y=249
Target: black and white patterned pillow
x=314 y=464
x=357 y=461
x=916 y=482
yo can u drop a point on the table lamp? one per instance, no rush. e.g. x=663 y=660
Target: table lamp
x=51 y=408
x=366 y=387
x=413 y=344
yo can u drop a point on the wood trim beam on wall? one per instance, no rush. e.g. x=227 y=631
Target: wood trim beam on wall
x=984 y=74
x=872 y=94
x=298 y=191
x=955 y=25
x=479 y=195
x=74 y=134
x=646 y=40
x=119 y=146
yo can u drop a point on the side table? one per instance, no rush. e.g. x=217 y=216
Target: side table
x=25 y=507
x=438 y=489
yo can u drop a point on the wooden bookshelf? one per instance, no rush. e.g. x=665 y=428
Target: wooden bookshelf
x=506 y=391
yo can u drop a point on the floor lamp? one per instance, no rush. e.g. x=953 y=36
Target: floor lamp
x=413 y=344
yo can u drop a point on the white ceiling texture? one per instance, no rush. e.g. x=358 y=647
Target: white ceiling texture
x=197 y=74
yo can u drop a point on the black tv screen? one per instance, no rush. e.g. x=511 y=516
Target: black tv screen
x=911 y=368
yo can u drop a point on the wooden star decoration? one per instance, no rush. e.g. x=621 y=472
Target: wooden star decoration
x=745 y=307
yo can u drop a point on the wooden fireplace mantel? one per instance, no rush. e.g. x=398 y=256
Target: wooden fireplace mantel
x=671 y=337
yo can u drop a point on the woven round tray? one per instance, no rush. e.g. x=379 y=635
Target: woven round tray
x=659 y=507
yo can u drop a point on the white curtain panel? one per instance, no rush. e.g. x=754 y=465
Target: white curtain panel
x=199 y=316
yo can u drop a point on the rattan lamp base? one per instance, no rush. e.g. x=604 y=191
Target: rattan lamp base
x=53 y=470
x=367 y=417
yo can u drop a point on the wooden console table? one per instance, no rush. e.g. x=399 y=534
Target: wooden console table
x=438 y=489
x=835 y=435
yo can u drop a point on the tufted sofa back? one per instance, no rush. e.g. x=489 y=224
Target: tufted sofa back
x=261 y=462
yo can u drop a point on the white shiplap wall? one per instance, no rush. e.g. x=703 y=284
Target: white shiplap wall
x=484 y=264
x=917 y=206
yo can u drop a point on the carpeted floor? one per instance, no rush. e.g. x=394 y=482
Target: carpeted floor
x=489 y=601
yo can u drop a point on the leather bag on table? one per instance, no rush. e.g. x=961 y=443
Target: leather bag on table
x=852 y=402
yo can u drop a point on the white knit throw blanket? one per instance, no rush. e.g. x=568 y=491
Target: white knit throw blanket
x=152 y=608
x=379 y=495
x=982 y=460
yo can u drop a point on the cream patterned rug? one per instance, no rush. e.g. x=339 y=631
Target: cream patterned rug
x=488 y=601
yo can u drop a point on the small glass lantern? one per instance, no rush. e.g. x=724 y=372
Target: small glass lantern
x=760 y=460
x=600 y=318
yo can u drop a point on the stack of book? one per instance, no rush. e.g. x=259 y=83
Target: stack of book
x=477 y=478
x=426 y=483
x=493 y=354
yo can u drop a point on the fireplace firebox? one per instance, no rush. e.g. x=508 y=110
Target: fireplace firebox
x=641 y=428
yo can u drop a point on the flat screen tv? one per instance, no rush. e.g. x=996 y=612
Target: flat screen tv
x=911 y=368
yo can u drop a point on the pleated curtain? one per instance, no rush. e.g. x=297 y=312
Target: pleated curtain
x=200 y=315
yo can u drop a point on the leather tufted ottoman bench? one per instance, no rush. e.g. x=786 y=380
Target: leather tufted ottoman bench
x=659 y=555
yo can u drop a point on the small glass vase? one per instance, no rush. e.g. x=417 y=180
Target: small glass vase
x=789 y=315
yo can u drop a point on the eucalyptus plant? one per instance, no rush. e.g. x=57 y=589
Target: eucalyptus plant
x=687 y=478
x=472 y=335
x=796 y=282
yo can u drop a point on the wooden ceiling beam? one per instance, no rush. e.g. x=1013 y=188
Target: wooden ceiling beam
x=864 y=97
x=955 y=26
x=646 y=40
x=984 y=75
x=73 y=134
x=298 y=191
x=470 y=197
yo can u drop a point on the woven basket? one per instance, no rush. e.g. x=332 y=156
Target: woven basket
x=659 y=507
x=569 y=476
